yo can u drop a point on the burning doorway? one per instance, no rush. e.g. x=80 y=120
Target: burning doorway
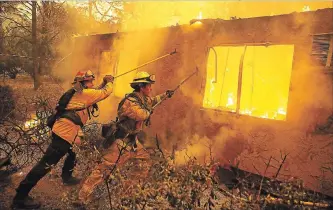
x=250 y=80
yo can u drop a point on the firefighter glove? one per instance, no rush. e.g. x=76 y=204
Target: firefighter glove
x=151 y=111
x=169 y=93
x=108 y=78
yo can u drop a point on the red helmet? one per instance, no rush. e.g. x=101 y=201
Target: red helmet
x=84 y=76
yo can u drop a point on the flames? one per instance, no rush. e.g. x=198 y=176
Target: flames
x=278 y=114
x=230 y=101
x=185 y=11
x=265 y=81
x=34 y=130
x=32 y=123
x=200 y=16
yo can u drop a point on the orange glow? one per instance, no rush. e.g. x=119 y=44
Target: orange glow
x=306 y=8
x=167 y=13
x=200 y=15
x=32 y=123
x=230 y=100
x=265 y=80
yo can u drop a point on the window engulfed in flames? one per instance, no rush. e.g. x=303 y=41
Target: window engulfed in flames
x=264 y=85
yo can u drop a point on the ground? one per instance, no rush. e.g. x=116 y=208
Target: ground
x=48 y=190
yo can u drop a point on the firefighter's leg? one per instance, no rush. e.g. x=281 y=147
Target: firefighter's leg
x=150 y=146
x=140 y=159
x=100 y=172
x=110 y=137
x=95 y=178
x=147 y=142
x=143 y=139
x=57 y=149
x=67 y=169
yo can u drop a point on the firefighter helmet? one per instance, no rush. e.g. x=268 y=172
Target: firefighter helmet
x=143 y=77
x=84 y=76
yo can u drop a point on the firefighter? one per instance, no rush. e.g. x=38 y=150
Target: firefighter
x=66 y=131
x=133 y=115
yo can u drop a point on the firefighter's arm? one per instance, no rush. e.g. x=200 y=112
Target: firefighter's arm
x=95 y=95
x=158 y=98
x=101 y=85
x=106 y=80
x=133 y=110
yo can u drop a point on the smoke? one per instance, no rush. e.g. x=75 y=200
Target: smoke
x=77 y=27
x=181 y=122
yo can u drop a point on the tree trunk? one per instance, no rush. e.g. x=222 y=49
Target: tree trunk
x=36 y=76
x=90 y=5
x=43 y=37
x=1 y=46
x=1 y=42
x=1 y=30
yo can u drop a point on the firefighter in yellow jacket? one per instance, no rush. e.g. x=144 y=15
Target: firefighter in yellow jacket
x=133 y=115
x=66 y=131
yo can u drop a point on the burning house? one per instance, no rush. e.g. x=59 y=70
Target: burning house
x=263 y=83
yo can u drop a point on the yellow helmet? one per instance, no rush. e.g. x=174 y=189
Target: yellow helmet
x=84 y=76
x=143 y=77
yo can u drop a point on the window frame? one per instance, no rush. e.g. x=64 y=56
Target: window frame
x=329 y=59
x=241 y=66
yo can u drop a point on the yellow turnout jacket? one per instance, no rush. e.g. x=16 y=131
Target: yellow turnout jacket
x=65 y=128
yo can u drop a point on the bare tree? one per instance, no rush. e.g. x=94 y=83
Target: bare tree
x=31 y=30
x=36 y=76
x=1 y=29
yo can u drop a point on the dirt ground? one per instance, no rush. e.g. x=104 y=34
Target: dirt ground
x=50 y=189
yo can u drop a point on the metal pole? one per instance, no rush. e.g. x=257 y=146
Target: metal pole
x=196 y=70
x=163 y=56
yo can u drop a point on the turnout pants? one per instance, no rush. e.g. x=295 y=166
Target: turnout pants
x=56 y=150
x=112 y=157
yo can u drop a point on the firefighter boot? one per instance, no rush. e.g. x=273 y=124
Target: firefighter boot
x=25 y=203
x=71 y=181
x=79 y=205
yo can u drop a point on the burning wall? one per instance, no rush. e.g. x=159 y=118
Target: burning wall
x=184 y=121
